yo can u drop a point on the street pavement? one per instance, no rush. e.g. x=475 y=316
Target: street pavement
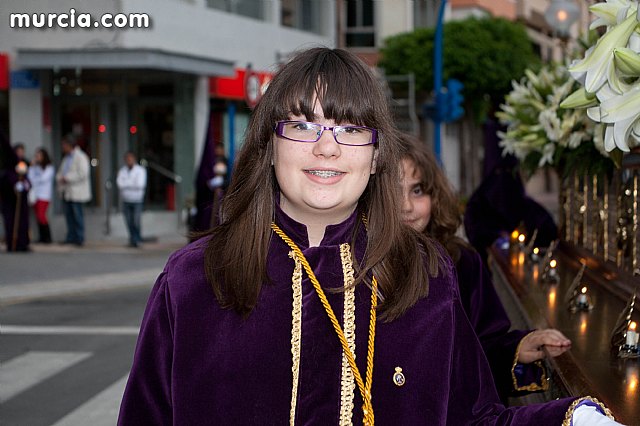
x=69 y=320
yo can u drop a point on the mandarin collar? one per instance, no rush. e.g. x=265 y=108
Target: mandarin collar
x=334 y=235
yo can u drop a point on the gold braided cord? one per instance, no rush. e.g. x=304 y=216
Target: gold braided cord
x=365 y=391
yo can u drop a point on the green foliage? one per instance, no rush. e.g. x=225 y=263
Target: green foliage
x=485 y=54
x=585 y=159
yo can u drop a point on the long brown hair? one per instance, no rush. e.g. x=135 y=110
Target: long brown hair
x=349 y=92
x=46 y=160
x=445 y=213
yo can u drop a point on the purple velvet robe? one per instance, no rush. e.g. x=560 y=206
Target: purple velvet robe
x=196 y=363
x=13 y=203
x=491 y=324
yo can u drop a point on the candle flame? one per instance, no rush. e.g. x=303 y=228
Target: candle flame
x=552 y=297
x=536 y=250
x=584 y=290
x=515 y=234
x=632 y=384
x=632 y=326
x=583 y=326
x=521 y=238
x=553 y=263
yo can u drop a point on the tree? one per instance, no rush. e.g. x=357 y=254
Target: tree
x=485 y=54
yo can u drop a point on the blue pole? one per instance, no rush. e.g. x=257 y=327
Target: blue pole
x=437 y=81
x=231 y=110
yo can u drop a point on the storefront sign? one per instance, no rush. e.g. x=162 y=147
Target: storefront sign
x=241 y=86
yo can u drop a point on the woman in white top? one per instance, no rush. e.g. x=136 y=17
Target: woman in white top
x=41 y=174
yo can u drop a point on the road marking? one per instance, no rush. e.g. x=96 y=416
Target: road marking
x=24 y=371
x=101 y=410
x=48 y=330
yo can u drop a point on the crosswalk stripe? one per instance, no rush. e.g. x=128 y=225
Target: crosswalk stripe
x=101 y=410
x=24 y=371
x=47 y=330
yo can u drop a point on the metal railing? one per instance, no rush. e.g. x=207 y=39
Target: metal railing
x=171 y=175
x=108 y=187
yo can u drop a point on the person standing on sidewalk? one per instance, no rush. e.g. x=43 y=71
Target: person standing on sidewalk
x=74 y=187
x=132 y=181
x=41 y=174
x=14 y=186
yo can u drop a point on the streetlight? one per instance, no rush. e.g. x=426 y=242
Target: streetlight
x=560 y=15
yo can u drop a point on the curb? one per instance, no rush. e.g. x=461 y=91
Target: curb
x=20 y=293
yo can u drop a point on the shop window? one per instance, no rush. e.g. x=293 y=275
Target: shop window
x=79 y=118
x=250 y=8
x=306 y=15
x=360 y=23
x=153 y=141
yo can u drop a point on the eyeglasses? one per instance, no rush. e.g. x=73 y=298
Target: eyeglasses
x=302 y=131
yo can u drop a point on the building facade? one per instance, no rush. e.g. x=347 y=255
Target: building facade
x=144 y=75
x=363 y=26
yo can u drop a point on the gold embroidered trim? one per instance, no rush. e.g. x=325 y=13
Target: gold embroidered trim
x=531 y=386
x=363 y=386
x=568 y=416
x=347 y=382
x=296 y=332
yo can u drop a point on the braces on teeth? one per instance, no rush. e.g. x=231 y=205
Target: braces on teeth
x=324 y=173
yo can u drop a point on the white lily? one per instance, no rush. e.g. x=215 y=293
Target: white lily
x=609 y=143
x=621 y=114
x=537 y=125
x=551 y=124
x=627 y=61
x=634 y=41
x=607 y=13
x=598 y=139
x=575 y=139
x=597 y=62
x=547 y=155
x=579 y=99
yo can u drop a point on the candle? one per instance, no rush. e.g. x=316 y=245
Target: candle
x=632 y=335
x=581 y=300
x=514 y=235
x=535 y=254
x=553 y=273
x=521 y=238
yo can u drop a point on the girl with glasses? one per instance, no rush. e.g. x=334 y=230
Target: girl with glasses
x=311 y=302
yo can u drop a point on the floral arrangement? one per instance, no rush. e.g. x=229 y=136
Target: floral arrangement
x=609 y=74
x=539 y=132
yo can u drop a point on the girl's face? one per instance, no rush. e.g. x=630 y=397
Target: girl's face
x=416 y=205
x=38 y=157
x=321 y=178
